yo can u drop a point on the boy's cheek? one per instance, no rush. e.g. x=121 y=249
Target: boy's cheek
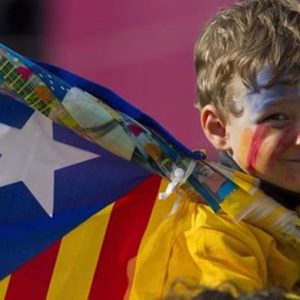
x=274 y=148
x=256 y=149
x=241 y=155
x=260 y=148
x=285 y=140
x=252 y=153
x=266 y=159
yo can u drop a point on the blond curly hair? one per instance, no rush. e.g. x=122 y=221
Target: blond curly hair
x=240 y=41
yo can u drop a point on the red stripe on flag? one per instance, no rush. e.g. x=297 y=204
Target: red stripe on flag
x=127 y=224
x=32 y=280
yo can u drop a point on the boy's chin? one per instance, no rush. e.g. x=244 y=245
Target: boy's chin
x=289 y=183
x=294 y=188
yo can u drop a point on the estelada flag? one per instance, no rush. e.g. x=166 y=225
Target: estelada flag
x=73 y=216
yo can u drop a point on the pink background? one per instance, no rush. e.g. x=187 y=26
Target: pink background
x=141 y=49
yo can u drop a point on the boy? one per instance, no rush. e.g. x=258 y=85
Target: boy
x=248 y=83
x=248 y=66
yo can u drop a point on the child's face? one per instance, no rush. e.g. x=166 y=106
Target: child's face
x=265 y=140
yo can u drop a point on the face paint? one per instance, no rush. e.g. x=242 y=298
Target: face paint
x=243 y=146
x=285 y=139
x=266 y=97
x=257 y=140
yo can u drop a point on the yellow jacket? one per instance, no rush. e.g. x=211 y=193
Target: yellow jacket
x=196 y=243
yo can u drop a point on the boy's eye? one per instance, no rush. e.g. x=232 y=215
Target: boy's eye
x=276 y=120
x=275 y=117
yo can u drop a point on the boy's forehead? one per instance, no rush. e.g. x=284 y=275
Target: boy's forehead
x=264 y=97
x=265 y=75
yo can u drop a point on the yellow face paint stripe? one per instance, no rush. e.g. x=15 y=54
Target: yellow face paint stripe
x=77 y=259
x=3 y=287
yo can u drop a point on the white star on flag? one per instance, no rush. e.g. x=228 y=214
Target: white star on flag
x=31 y=155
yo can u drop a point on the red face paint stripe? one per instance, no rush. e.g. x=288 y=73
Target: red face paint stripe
x=32 y=280
x=258 y=138
x=286 y=138
x=126 y=227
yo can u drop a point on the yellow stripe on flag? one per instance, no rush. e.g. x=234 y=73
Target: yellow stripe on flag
x=3 y=287
x=78 y=257
x=151 y=257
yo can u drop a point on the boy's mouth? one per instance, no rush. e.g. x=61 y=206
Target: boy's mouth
x=291 y=160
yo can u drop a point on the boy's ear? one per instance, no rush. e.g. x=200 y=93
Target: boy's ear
x=214 y=127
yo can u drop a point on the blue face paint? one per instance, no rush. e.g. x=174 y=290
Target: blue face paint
x=263 y=77
x=263 y=98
